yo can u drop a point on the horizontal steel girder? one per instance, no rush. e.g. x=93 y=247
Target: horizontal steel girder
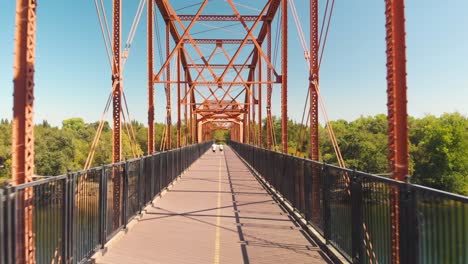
x=219 y=18
x=217 y=41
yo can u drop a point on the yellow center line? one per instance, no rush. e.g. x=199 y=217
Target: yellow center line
x=218 y=217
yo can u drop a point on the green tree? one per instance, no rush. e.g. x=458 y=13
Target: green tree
x=439 y=152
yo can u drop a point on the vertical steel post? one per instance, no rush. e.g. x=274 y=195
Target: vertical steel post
x=269 y=88
x=397 y=110
x=195 y=126
x=313 y=110
x=150 y=35
x=357 y=245
x=125 y=196
x=185 y=107
x=168 y=89
x=260 y=102
x=178 y=100
x=253 y=123
x=117 y=96
x=314 y=79
x=103 y=207
x=23 y=123
x=284 y=79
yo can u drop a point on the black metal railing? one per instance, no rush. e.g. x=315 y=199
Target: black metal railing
x=73 y=215
x=352 y=210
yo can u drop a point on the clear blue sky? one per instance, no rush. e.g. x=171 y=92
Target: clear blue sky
x=73 y=76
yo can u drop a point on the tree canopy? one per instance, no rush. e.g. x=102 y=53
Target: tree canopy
x=438 y=146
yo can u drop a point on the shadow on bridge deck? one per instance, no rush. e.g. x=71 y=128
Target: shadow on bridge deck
x=216 y=213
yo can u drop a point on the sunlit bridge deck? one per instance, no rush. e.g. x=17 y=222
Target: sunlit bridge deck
x=215 y=213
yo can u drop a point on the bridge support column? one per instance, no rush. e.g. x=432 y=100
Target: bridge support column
x=168 y=90
x=397 y=110
x=117 y=106
x=284 y=79
x=23 y=124
x=259 y=97
x=269 y=90
x=150 y=79
x=313 y=110
x=179 y=135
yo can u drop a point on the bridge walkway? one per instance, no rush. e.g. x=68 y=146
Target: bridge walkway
x=217 y=212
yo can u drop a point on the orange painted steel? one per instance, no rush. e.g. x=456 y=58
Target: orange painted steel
x=260 y=144
x=23 y=125
x=179 y=135
x=397 y=110
x=117 y=107
x=284 y=77
x=269 y=89
x=313 y=107
x=314 y=78
x=150 y=37
x=168 y=9
x=168 y=91
x=214 y=99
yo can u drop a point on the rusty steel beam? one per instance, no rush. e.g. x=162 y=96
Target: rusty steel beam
x=269 y=89
x=185 y=35
x=168 y=90
x=179 y=135
x=216 y=66
x=272 y=10
x=397 y=111
x=284 y=78
x=220 y=18
x=185 y=111
x=314 y=79
x=260 y=144
x=217 y=41
x=313 y=108
x=174 y=33
x=117 y=108
x=150 y=38
x=249 y=35
x=208 y=83
x=23 y=125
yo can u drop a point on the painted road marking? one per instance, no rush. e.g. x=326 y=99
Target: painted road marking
x=218 y=218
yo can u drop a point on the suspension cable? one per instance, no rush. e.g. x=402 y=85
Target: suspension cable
x=106 y=45
x=133 y=29
x=326 y=33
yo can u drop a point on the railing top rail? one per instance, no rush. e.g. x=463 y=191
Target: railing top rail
x=432 y=191
x=39 y=182
x=64 y=176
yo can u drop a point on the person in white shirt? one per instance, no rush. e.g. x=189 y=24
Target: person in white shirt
x=214 y=147
x=221 y=148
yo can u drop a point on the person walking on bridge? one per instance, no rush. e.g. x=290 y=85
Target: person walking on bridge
x=213 y=147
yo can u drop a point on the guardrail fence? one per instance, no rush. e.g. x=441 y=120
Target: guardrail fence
x=351 y=209
x=76 y=214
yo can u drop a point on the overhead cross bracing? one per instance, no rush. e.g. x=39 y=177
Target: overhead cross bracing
x=223 y=58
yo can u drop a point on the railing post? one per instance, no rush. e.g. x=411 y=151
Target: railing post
x=326 y=203
x=65 y=215
x=3 y=240
x=71 y=216
x=140 y=185
x=152 y=177
x=409 y=228
x=11 y=227
x=356 y=220
x=125 y=195
x=103 y=207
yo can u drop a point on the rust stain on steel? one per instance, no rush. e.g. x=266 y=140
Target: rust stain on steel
x=23 y=125
x=397 y=110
